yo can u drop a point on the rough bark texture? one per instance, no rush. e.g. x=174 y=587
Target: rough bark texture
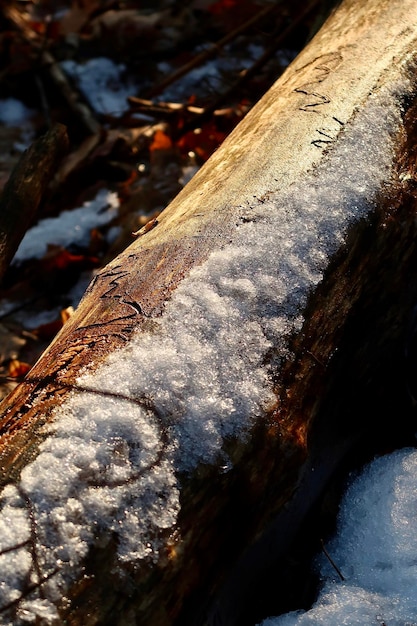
x=25 y=190
x=335 y=387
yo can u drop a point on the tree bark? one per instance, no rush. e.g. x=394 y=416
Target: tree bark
x=263 y=318
x=26 y=188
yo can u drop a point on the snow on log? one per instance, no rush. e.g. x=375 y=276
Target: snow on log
x=168 y=444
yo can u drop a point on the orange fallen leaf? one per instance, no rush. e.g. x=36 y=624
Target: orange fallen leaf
x=18 y=369
x=203 y=141
x=160 y=141
x=50 y=329
x=66 y=314
x=58 y=258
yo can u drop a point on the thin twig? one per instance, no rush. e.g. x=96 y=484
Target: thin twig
x=316 y=358
x=169 y=109
x=17 y=546
x=163 y=108
x=210 y=52
x=332 y=563
x=33 y=542
x=254 y=69
x=29 y=590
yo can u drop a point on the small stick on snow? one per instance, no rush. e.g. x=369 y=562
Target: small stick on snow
x=332 y=563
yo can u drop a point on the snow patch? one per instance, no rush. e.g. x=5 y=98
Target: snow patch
x=14 y=113
x=169 y=399
x=72 y=226
x=209 y=77
x=376 y=550
x=102 y=84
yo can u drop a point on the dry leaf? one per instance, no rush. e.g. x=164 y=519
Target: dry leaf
x=161 y=141
x=18 y=369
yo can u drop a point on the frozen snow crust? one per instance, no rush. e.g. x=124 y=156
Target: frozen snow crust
x=112 y=464
x=376 y=550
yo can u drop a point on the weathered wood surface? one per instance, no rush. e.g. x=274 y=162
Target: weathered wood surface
x=328 y=156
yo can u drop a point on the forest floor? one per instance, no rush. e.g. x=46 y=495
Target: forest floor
x=147 y=91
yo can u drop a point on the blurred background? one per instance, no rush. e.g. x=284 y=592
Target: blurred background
x=147 y=91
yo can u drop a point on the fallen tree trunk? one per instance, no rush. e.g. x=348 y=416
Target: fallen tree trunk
x=166 y=447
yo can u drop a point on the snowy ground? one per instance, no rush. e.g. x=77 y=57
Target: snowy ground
x=375 y=549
